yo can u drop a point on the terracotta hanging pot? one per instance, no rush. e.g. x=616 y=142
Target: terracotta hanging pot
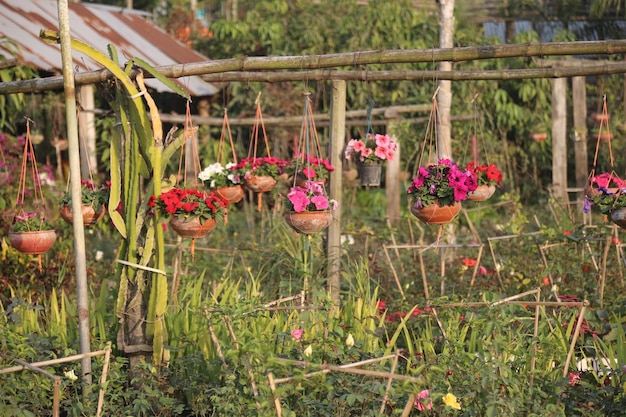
x=436 y=214
x=191 y=227
x=90 y=215
x=260 y=184
x=618 y=216
x=233 y=194
x=370 y=175
x=5 y=176
x=32 y=243
x=539 y=136
x=605 y=137
x=483 y=192
x=600 y=117
x=309 y=222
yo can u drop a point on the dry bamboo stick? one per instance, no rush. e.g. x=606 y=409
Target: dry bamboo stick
x=279 y=410
x=533 y=359
x=215 y=340
x=579 y=323
x=103 y=379
x=357 y=59
x=54 y=361
x=56 y=396
x=516 y=297
x=389 y=381
x=409 y=406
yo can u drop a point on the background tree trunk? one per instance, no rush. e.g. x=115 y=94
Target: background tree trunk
x=444 y=97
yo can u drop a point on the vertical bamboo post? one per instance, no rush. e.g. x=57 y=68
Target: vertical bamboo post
x=392 y=178
x=75 y=187
x=579 y=98
x=559 y=139
x=337 y=140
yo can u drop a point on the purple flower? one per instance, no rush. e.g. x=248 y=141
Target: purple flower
x=586 y=205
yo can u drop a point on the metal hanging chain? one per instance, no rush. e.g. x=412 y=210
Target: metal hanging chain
x=226 y=131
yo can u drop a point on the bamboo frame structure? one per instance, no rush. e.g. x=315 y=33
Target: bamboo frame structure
x=38 y=367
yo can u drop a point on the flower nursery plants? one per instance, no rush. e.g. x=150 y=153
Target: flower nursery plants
x=94 y=200
x=438 y=189
x=309 y=210
x=488 y=177
x=260 y=174
x=30 y=233
x=225 y=182
x=370 y=154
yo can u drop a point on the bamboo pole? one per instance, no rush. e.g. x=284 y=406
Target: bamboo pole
x=303 y=64
x=75 y=187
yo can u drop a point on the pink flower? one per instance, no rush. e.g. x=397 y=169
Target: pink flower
x=365 y=153
x=419 y=404
x=381 y=152
x=321 y=202
x=309 y=172
x=482 y=270
x=382 y=140
x=297 y=334
x=358 y=146
x=299 y=200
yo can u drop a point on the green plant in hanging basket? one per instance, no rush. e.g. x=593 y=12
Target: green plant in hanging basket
x=29 y=222
x=443 y=182
x=375 y=149
x=260 y=167
x=91 y=195
x=310 y=167
x=217 y=176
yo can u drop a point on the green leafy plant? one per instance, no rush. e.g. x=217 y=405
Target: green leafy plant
x=29 y=222
x=262 y=166
x=217 y=176
x=90 y=195
x=189 y=203
x=444 y=182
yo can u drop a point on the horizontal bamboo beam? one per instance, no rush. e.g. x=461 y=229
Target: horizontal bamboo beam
x=348 y=59
x=556 y=71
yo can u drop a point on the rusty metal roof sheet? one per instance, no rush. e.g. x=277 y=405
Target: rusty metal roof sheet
x=97 y=25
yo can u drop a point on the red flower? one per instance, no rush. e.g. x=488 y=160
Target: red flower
x=567 y=233
x=469 y=262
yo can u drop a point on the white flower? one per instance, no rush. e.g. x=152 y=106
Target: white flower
x=70 y=375
x=349 y=340
x=210 y=171
x=308 y=351
x=99 y=255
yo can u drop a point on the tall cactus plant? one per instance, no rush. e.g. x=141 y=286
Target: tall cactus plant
x=138 y=159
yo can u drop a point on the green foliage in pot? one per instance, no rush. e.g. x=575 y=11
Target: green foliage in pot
x=30 y=222
x=91 y=195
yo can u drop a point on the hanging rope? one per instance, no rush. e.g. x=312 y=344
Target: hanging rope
x=28 y=155
x=308 y=146
x=226 y=132
x=604 y=123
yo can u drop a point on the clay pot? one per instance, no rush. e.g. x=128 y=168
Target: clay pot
x=539 y=137
x=191 y=227
x=436 y=214
x=600 y=117
x=260 y=184
x=233 y=194
x=309 y=222
x=90 y=215
x=483 y=192
x=32 y=243
x=618 y=216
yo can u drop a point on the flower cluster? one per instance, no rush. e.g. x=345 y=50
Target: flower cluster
x=29 y=222
x=486 y=174
x=262 y=166
x=608 y=192
x=444 y=182
x=90 y=195
x=188 y=203
x=375 y=149
x=218 y=176
x=311 y=197
x=310 y=167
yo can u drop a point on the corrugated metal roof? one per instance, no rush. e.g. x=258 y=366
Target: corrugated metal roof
x=97 y=25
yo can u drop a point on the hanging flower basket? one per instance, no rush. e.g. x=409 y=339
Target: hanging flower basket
x=539 y=136
x=435 y=213
x=260 y=183
x=191 y=227
x=32 y=243
x=232 y=194
x=482 y=193
x=90 y=215
x=308 y=222
x=370 y=175
x=618 y=216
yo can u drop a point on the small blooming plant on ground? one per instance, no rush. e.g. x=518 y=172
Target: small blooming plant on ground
x=218 y=176
x=486 y=174
x=310 y=167
x=608 y=193
x=262 y=166
x=29 y=222
x=91 y=195
x=189 y=203
x=311 y=197
x=375 y=149
x=444 y=182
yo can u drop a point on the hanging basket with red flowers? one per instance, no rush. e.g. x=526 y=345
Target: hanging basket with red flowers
x=488 y=177
x=193 y=213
